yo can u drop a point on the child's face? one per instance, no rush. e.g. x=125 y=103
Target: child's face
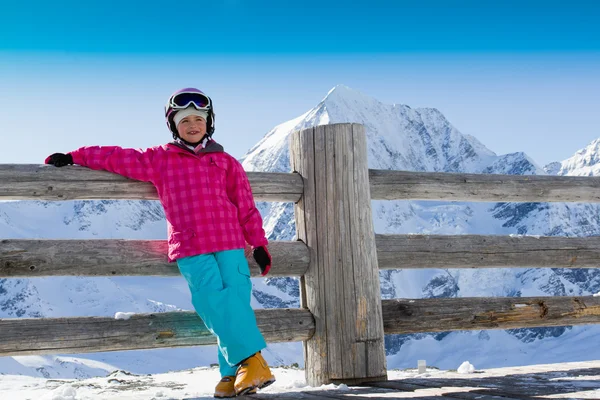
x=192 y=128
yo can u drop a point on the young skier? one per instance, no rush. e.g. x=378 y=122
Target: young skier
x=211 y=214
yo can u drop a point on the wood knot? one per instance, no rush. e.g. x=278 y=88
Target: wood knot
x=543 y=309
x=405 y=310
x=573 y=261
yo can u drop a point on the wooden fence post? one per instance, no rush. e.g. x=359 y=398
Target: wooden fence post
x=341 y=286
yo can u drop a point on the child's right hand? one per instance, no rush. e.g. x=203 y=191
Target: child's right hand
x=59 y=159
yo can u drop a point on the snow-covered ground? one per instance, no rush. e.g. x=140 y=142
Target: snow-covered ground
x=198 y=383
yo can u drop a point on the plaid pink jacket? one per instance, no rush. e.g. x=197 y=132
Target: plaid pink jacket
x=206 y=196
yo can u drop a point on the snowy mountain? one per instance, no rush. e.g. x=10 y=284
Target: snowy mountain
x=399 y=138
x=585 y=162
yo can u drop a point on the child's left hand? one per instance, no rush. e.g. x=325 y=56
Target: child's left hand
x=263 y=259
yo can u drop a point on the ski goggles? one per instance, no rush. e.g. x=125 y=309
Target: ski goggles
x=185 y=99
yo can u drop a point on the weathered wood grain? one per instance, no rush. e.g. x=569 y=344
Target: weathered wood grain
x=36 y=258
x=142 y=331
x=46 y=182
x=303 y=150
x=341 y=286
x=486 y=251
x=368 y=291
x=472 y=313
x=354 y=393
x=435 y=388
x=328 y=239
x=108 y=257
x=409 y=185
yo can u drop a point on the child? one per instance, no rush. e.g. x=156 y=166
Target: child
x=211 y=215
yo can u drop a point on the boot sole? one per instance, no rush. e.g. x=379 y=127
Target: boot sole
x=247 y=391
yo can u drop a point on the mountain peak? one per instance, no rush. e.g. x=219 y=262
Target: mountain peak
x=400 y=137
x=342 y=94
x=585 y=162
x=340 y=88
x=592 y=148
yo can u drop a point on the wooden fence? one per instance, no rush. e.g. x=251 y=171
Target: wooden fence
x=342 y=319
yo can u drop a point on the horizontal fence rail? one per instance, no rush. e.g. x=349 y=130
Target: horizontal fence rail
x=443 y=186
x=486 y=251
x=117 y=257
x=141 y=331
x=474 y=313
x=114 y=257
x=400 y=316
x=46 y=182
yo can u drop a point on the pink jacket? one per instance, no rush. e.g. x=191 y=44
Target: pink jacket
x=206 y=196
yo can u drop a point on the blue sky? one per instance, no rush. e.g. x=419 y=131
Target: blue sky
x=307 y=27
x=518 y=77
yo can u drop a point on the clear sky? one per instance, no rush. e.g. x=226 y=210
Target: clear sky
x=518 y=75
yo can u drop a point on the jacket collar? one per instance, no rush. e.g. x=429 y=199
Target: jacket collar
x=210 y=147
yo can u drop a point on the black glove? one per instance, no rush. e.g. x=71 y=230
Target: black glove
x=263 y=259
x=59 y=159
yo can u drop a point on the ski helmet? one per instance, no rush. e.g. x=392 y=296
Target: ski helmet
x=185 y=98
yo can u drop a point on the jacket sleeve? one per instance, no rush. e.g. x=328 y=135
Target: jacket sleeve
x=132 y=163
x=240 y=194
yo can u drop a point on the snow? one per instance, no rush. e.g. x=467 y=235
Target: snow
x=466 y=368
x=124 y=315
x=198 y=383
x=64 y=392
x=585 y=162
x=521 y=236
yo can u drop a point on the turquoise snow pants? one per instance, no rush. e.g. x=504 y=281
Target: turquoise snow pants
x=221 y=291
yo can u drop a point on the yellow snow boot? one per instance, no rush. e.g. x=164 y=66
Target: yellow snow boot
x=252 y=374
x=225 y=388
